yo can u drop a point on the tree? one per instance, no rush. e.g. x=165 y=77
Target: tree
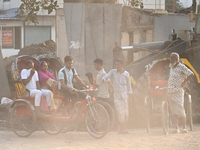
x=137 y=3
x=29 y=9
x=173 y=5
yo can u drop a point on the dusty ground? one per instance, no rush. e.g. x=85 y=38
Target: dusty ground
x=138 y=139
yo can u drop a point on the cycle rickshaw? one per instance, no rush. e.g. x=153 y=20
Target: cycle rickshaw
x=158 y=76
x=24 y=120
x=56 y=64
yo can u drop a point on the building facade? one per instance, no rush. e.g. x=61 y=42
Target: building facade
x=15 y=33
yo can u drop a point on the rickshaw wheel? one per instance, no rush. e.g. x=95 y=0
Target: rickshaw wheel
x=147 y=119
x=190 y=115
x=52 y=127
x=97 y=121
x=23 y=120
x=165 y=117
x=110 y=112
x=147 y=114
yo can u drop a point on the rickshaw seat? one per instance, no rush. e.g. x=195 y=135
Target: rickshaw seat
x=56 y=93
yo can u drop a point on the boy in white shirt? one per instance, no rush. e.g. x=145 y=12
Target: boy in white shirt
x=103 y=87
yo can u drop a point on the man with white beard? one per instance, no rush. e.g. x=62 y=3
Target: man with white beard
x=179 y=76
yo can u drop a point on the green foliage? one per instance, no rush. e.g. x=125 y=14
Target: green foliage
x=137 y=3
x=29 y=9
x=169 y=5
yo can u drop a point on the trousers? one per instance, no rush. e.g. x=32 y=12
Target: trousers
x=38 y=93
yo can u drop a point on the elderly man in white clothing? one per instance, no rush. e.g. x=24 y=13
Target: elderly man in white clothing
x=31 y=81
x=122 y=91
x=179 y=76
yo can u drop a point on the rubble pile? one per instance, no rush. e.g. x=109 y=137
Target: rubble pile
x=32 y=50
x=38 y=49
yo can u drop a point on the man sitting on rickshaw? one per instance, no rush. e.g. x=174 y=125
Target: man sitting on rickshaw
x=31 y=81
x=65 y=76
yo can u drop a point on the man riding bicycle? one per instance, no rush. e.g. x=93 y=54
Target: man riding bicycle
x=65 y=76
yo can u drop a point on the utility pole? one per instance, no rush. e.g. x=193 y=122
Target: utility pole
x=174 y=4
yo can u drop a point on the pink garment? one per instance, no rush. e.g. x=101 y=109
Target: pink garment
x=44 y=76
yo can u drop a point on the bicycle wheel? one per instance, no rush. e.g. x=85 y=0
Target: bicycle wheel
x=110 y=112
x=52 y=126
x=97 y=121
x=190 y=115
x=23 y=120
x=165 y=117
x=147 y=116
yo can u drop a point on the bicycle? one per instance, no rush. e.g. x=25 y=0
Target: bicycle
x=166 y=115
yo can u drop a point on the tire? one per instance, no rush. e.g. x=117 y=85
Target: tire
x=23 y=120
x=60 y=112
x=190 y=115
x=165 y=117
x=52 y=125
x=147 y=115
x=97 y=121
x=110 y=112
x=140 y=91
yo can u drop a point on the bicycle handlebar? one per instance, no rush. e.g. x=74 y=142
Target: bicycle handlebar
x=163 y=88
x=86 y=90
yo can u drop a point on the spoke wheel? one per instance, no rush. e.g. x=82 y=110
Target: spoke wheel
x=97 y=121
x=51 y=126
x=147 y=117
x=23 y=120
x=190 y=115
x=110 y=112
x=165 y=117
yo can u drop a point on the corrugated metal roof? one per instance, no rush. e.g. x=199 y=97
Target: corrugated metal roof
x=10 y=14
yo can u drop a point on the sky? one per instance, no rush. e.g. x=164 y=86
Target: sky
x=186 y=3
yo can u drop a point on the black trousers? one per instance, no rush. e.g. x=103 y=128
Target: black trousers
x=74 y=97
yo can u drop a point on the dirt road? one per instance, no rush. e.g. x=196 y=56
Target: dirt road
x=138 y=139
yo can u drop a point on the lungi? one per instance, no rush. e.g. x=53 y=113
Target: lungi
x=176 y=104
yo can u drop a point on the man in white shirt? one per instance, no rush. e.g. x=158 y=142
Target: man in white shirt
x=122 y=91
x=31 y=81
x=103 y=87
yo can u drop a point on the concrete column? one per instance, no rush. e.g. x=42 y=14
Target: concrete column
x=143 y=40
x=62 y=48
x=130 y=53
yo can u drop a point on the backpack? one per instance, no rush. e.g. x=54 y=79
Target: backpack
x=65 y=76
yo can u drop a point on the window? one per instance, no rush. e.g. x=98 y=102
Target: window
x=7 y=37
x=10 y=37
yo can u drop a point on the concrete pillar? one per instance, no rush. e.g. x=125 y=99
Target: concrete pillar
x=130 y=53
x=143 y=40
x=62 y=48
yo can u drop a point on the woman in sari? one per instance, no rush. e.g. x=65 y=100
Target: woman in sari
x=46 y=81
